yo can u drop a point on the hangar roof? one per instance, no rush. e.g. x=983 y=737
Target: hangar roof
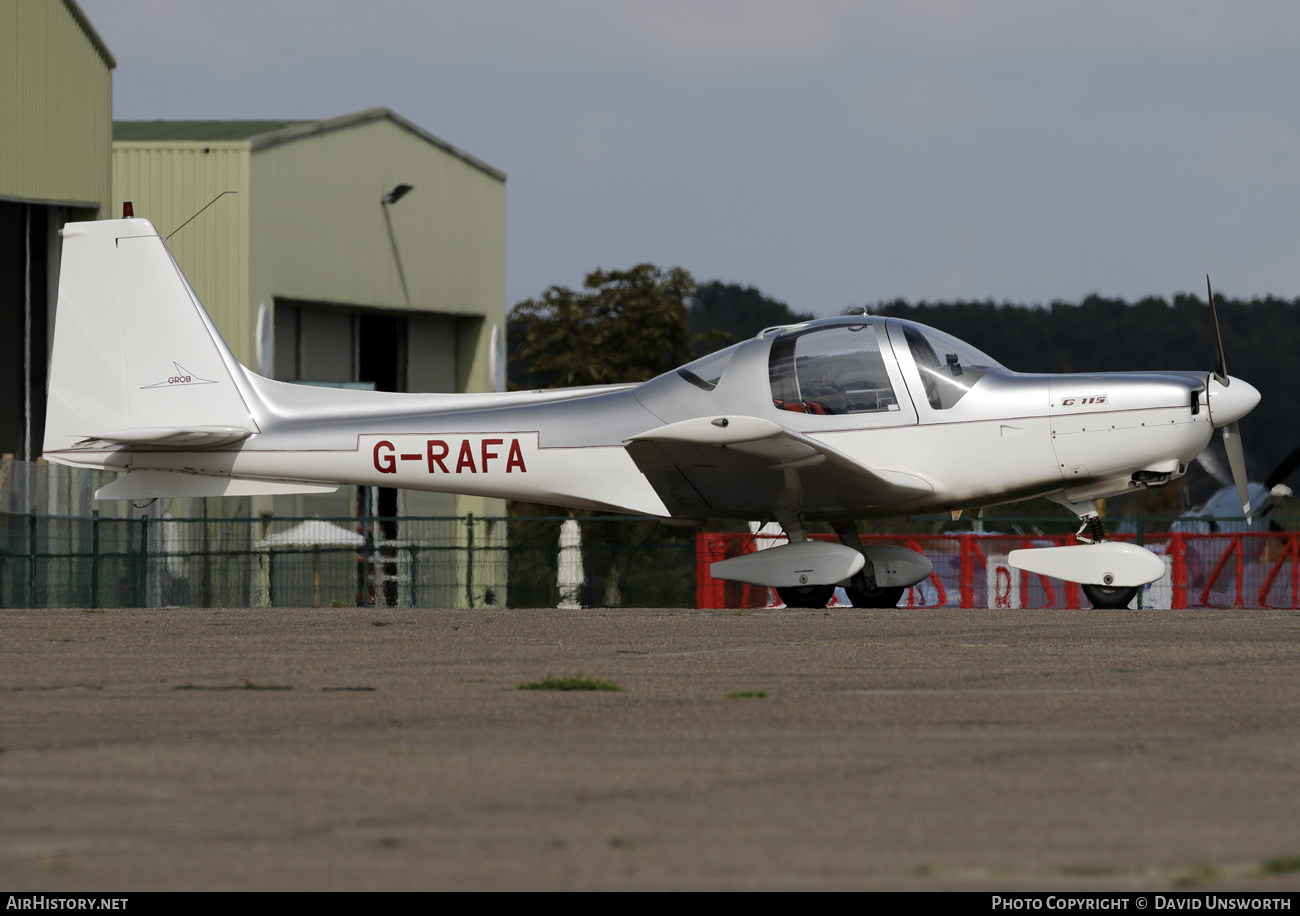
x=89 y=29
x=261 y=134
x=196 y=130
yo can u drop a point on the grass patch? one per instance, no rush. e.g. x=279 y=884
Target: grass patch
x=578 y=682
x=1198 y=875
x=336 y=603
x=379 y=623
x=1091 y=871
x=1281 y=865
x=247 y=685
x=92 y=610
x=747 y=695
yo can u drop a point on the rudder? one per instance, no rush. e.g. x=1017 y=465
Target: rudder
x=133 y=347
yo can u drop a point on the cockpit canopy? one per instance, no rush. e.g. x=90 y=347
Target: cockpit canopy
x=830 y=370
x=844 y=366
x=707 y=371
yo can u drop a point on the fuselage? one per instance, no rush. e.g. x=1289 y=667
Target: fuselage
x=893 y=395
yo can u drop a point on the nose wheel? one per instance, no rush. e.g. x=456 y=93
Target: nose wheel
x=1108 y=597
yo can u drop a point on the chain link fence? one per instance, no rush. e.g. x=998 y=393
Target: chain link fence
x=100 y=562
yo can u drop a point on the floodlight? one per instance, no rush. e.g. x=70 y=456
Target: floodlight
x=396 y=194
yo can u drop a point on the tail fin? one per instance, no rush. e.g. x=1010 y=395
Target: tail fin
x=133 y=349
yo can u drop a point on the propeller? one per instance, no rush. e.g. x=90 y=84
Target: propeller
x=1231 y=433
x=1284 y=470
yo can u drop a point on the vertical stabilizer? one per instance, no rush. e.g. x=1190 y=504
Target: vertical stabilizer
x=132 y=345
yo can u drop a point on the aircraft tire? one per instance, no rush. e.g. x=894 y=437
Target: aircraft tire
x=883 y=596
x=807 y=595
x=1109 y=596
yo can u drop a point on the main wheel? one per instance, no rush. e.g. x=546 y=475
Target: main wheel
x=1109 y=596
x=880 y=596
x=806 y=595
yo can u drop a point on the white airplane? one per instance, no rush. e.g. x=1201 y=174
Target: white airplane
x=835 y=420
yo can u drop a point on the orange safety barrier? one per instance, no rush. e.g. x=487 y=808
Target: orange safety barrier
x=970 y=571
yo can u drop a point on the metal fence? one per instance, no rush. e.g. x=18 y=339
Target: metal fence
x=96 y=562
x=150 y=561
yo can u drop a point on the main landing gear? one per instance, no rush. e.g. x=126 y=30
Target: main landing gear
x=860 y=593
x=862 y=590
x=807 y=595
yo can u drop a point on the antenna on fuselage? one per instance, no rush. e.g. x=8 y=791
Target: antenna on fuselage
x=196 y=215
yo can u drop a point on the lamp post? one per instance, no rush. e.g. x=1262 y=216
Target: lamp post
x=386 y=201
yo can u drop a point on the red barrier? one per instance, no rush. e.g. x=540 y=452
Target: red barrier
x=970 y=570
x=1290 y=552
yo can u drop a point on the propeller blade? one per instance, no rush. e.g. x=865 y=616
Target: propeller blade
x=1237 y=461
x=1283 y=470
x=1210 y=461
x=1220 y=365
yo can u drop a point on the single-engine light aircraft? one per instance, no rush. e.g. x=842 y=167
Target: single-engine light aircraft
x=838 y=420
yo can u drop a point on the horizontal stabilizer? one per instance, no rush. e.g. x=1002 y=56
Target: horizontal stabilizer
x=1110 y=563
x=792 y=565
x=154 y=484
x=174 y=436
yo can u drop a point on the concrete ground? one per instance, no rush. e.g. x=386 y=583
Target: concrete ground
x=318 y=749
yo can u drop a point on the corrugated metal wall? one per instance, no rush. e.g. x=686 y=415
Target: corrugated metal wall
x=322 y=236
x=167 y=182
x=56 y=92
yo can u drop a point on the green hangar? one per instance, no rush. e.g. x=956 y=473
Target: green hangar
x=358 y=251
x=56 y=105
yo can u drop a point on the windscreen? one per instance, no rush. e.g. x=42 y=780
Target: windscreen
x=949 y=367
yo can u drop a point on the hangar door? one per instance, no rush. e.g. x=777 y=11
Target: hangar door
x=357 y=348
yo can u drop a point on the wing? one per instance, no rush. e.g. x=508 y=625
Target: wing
x=744 y=467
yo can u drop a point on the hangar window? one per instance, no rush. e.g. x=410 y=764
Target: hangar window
x=837 y=370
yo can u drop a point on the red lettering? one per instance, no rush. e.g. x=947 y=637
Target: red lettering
x=516 y=457
x=385 y=464
x=437 y=459
x=466 y=458
x=487 y=454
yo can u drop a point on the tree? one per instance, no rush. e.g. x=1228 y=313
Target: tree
x=625 y=326
x=724 y=313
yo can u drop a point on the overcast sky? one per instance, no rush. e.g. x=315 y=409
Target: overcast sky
x=830 y=153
